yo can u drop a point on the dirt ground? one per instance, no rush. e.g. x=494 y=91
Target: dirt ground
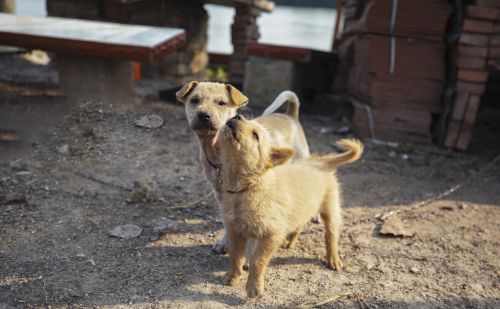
x=70 y=180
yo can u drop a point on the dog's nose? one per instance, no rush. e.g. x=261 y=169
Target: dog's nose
x=237 y=117
x=203 y=116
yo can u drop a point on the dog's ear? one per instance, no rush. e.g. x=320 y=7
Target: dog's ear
x=185 y=91
x=280 y=155
x=238 y=99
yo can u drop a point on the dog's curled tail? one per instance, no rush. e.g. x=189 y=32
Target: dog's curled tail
x=353 y=148
x=282 y=98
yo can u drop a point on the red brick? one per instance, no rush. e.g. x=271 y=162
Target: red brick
x=475 y=88
x=494 y=64
x=478 y=26
x=494 y=52
x=483 y=12
x=472 y=51
x=495 y=40
x=488 y=3
x=474 y=39
x=477 y=76
x=471 y=62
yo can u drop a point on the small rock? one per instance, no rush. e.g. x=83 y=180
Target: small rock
x=150 y=122
x=351 y=270
x=462 y=206
x=126 y=231
x=325 y=130
x=414 y=270
x=392 y=154
x=405 y=156
x=393 y=226
x=476 y=287
x=64 y=149
x=343 y=129
x=161 y=224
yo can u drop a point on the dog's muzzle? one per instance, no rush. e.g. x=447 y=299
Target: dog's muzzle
x=203 y=123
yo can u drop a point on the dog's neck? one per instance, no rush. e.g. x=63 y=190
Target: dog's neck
x=208 y=151
x=234 y=181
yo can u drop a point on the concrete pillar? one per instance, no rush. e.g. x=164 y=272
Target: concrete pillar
x=8 y=6
x=243 y=31
x=85 y=78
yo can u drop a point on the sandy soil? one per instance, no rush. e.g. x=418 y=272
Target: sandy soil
x=58 y=204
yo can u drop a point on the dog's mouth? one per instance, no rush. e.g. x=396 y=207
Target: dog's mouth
x=203 y=128
x=231 y=125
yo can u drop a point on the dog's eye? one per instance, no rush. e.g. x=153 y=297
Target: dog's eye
x=255 y=135
x=221 y=103
x=195 y=101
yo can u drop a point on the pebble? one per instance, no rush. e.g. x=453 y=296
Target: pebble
x=414 y=270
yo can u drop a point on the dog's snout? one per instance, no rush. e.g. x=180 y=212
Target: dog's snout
x=203 y=116
x=238 y=117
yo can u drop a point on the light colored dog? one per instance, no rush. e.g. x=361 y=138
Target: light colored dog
x=265 y=200
x=208 y=107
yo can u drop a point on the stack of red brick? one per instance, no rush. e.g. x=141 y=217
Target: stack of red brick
x=397 y=67
x=478 y=52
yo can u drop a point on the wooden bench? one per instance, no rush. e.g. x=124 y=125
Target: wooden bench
x=93 y=58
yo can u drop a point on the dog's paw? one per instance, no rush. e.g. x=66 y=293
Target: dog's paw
x=254 y=289
x=231 y=278
x=289 y=244
x=335 y=263
x=220 y=246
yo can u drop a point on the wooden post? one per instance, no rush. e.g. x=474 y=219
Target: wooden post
x=340 y=13
x=8 y=6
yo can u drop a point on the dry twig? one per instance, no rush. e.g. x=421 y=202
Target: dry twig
x=334 y=298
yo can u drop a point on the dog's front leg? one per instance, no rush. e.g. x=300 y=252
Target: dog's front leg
x=258 y=265
x=237 y=245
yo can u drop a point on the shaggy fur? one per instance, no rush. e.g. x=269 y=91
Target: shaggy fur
x=210 y=105
x=265 y=199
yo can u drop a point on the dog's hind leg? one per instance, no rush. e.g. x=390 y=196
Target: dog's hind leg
x=291 y=239
x=330 y=213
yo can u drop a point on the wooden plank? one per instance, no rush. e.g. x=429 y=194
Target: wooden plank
x=459 y=106
x=452 y=134
x=90 y=38
x=467 y=127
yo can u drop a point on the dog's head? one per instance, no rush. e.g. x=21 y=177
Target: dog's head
x=209 y=105
x=246 y=146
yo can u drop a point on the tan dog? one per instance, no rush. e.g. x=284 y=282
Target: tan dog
x=265 y=200
x=210 y=105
